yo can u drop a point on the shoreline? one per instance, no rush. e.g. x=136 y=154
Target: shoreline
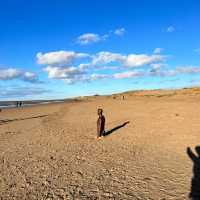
x=36 y=103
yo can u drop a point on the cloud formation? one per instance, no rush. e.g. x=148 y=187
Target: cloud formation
x=105 y=57
x=137 y=60
x=120 y=32
x=59 y=65
x=88 y=38
x=130 y=60
x=75 y=67
x=13 y=73
x=69 y=74
x=59 y=57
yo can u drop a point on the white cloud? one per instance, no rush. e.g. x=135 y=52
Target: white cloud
x=61 y=67
x=10 y=73
x=128 y=74
x=157 y=50
x=89 y=38
x=131 y=60
x=137 y=60
x=105 y=57
x=59 y=57
x=63 y=72
x=72 y=74
x=13 y=73
x=120 y=31
x=170 y=29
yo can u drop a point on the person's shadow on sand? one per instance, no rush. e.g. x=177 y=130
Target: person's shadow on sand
x=115 y=128
x=195 y=183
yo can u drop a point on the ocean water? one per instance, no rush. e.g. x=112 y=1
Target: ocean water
x=13 y=104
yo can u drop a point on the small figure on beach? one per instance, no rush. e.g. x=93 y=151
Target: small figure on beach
x=100 y=123
x=20 y=104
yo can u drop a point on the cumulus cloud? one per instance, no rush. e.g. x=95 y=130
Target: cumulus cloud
x=10 y=73
x=120 y=32
x=72 y=74
x=59 y=57
x=157 y=50
x=68 y=66
x=63 y=73
x=170 y=29
x=58 y=65
x=137 y=60
x=13 y=73
x=131 y=60
x=89 y=38
x=114 y=61
x=105 y=57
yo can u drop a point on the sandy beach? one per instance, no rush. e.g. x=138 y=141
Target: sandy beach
x=51 y=151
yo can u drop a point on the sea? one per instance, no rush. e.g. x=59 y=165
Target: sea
x=13 y=104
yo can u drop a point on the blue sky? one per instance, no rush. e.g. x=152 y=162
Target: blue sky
x=58 y=49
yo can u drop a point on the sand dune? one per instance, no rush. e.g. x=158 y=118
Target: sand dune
x=50 y=151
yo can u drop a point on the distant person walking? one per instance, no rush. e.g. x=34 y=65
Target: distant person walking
x=100 y=123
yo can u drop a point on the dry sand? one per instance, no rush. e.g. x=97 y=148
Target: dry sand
x=50 y=151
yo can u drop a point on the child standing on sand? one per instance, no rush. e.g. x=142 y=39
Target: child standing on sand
x=100 y=123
